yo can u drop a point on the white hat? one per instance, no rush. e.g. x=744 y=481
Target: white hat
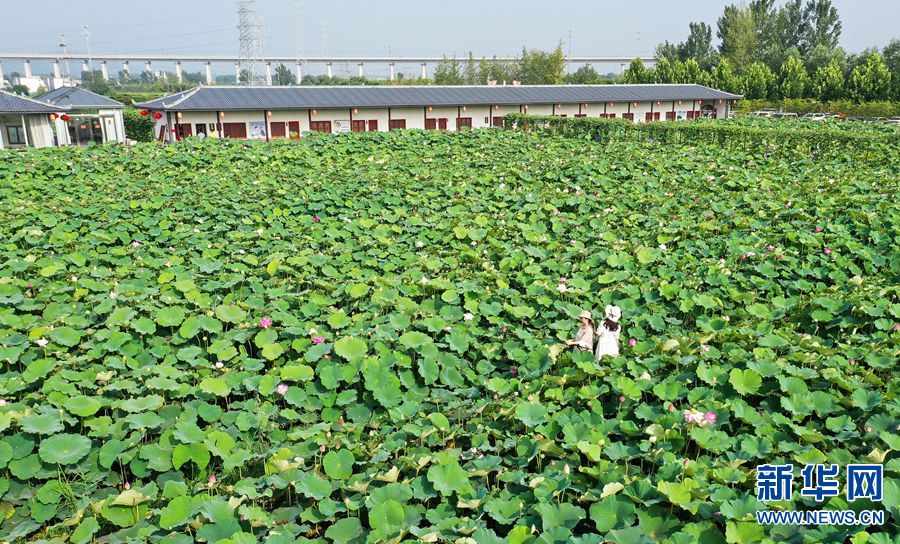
x=613 y=313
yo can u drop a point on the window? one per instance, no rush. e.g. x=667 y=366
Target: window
x=463 y=122
x=294 y=129
x=234 y=130
x=670 y=116
x=15 y=135
x=358 y=126
x=397 y=124
x=430 y=124
x=442 y=123
x=629 y=116
x=611 y=115
x=320 y=126
x=696 y=114
x=497 y=121
x=373 y=125
x=563 y=115
x=580 y=115
x=278 y=130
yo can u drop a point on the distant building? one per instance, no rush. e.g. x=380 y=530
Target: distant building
x=91 y=117
x=25 y=122
x=286 y=112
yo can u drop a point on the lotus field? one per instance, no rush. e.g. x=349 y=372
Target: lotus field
x=359 y=338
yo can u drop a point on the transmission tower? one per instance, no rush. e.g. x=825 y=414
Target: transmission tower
x=249 y=28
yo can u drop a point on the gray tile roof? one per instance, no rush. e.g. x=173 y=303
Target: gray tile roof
x=77 y=97
x=13 y=103
x=225 y=98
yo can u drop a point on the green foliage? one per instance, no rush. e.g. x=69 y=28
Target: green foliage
x=829 y=82
x=636 y=73
x=793 y=79
x=145 y=398
x=138 y=127
x=542 y=67
x=758 y=81
x=870 y=80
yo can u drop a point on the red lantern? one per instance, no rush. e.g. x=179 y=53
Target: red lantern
x=157 y=115
x=145 y=113
x=53 y=116
x=65 y=117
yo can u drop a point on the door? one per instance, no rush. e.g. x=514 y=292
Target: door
x=278 y=130
x=430 y=123
x=463 y=122
x=182 y=131
x=670 y=116
x=200 y=128
x=397 y=124
x=294 y=129
x=373 y=125
x=358 y=126
x=109 y=130
x=497 y=121
x=442 y=123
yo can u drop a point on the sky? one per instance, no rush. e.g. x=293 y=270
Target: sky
x=391 y=27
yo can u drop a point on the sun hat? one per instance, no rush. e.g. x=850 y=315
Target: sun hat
x=585 y=314
x=613 y=313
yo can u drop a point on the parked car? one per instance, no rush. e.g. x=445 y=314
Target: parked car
x=893 y=121
x=816 y=116
x=785 y=115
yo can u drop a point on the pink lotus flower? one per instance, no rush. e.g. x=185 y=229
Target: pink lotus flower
x=42 y=342
x=127 y=486
x=503 y=328
x=696 y=201
x=827 y=251
x=632 y=342
x=622 y=398
x=711 y=417
x=265 y=322
x=318 y=340
x=693 y=416
x=2 y=403
x=818 y=229
x=513 y=371
x=212 y=479
x=281 y=389
x=897 y=327
x=671 y=407
x=316 y=219
x=135 y=243
x=220 y=364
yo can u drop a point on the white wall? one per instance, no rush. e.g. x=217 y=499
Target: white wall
x=38 y=130
x=373 y=114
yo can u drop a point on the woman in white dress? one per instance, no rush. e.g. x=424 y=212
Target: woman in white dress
x=608 y=333
x=584 y=340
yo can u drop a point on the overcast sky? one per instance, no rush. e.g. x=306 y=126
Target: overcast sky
x=398 y=27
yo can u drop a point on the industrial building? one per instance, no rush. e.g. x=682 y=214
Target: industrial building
x=247 y=112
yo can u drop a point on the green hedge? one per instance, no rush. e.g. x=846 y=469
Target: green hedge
x=809 y=105
x=816 y=141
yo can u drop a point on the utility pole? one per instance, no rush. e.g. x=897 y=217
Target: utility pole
x=86 y=32
x=250 y=42
x=65 y=48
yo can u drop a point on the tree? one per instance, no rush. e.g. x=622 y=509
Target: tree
x=698 y=45
x=664 y=72
x=820 y=56
x=470 y=73
x=18 y=89
x=737 y=30
x=687 y=71
x=793 y=79
x=724 y=79
x=828 y=81
x=636 y=73
x=821 y=26
x=283 y=76
x=583 y=76
x=891 y=54
x=758 y=81
x=447 y=72
x=543 y=67
x=871 y=80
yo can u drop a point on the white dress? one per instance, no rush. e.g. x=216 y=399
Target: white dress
x=608 y=342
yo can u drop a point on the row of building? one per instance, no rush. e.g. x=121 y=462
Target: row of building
x=265 y=113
